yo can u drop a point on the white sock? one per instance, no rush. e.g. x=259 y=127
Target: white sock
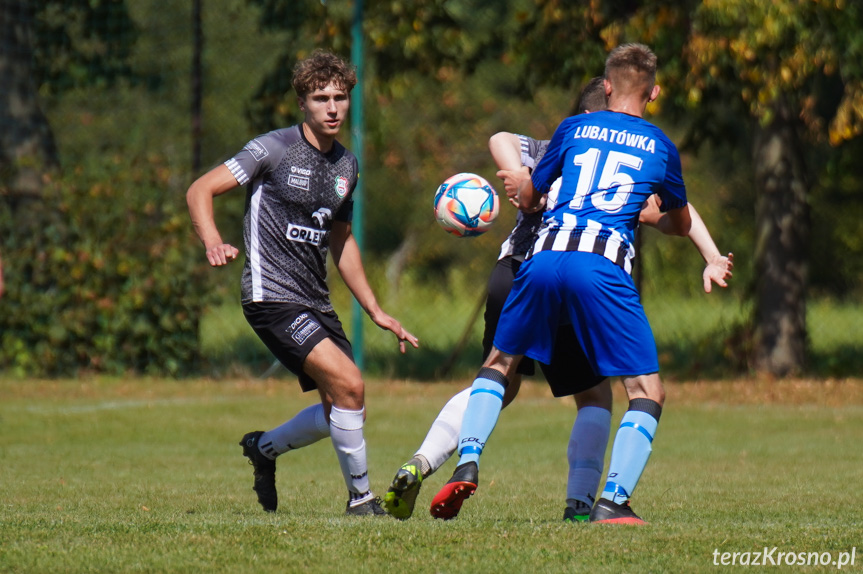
x=586 y=454
x=307 y=427
x=442 y=439
x=346 y=432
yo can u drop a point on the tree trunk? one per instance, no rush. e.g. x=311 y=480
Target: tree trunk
x=782 y=223
x=27 y=147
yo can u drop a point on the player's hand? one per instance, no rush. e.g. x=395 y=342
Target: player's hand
x=650 y=212
x=222 y=254
x=511 y=179
x=717 y=270
x=389 y=323
x=540 y=206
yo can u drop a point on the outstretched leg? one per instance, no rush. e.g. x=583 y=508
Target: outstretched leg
x=262 y=448
x=483 y=410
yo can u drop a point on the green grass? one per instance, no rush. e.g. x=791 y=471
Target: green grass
x=146 y=476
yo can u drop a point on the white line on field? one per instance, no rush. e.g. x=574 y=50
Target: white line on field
x=119 y=405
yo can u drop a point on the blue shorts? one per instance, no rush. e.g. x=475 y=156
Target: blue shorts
x=595 y=295
x=569 y=371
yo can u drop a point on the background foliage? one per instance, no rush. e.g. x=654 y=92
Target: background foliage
x=88 y=288
x=106 y=280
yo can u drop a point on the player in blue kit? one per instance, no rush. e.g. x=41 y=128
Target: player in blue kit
x=611 y=162
x=300 y=182
x=569 y=372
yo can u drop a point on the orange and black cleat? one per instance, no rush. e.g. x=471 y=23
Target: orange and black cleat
x=447 y=503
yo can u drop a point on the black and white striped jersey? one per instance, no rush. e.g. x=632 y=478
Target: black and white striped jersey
x=294 y=193
x=527 y=225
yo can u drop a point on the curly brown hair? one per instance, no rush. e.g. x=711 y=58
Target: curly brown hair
x=321 y=68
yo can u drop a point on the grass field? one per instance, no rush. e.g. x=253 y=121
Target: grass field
x=146 y=476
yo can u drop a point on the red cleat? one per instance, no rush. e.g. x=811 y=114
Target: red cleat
x=447 y=503
x=608 y=512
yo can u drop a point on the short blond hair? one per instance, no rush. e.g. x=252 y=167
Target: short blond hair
x=631 y=68
x=321 y=68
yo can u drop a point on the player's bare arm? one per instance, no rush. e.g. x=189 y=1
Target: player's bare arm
x=673 y=222
x=718 y=267
x=527 y=197
x=505 y=149
x=346 y=256
x=199 y=198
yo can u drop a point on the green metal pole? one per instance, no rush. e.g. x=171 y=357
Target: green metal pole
x=357 y=131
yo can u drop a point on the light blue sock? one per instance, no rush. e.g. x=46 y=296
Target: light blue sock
x=631 y=450
x=480 y=418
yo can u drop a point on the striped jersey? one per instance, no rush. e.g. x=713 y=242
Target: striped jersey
x=610 y=163
x=522 y=236
x=294 y=193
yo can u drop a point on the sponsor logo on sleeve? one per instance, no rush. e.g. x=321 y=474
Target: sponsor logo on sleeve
x=341 y=186
x=257 y=150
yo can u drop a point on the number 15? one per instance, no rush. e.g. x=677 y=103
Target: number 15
x=611 y=177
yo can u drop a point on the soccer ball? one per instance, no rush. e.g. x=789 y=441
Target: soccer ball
x=466 y=205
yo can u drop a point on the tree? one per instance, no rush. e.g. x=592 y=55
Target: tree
x=782 y=64
x=51 y=45
x=780 y=78
x=26 y=143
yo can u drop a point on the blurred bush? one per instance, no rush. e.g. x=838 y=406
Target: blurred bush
x=102 y=275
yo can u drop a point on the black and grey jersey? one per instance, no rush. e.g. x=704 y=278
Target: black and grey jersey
x=294 y=193
x=522 y=236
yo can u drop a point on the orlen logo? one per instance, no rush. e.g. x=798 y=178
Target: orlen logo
x=341 y=186
x=301 y=170
x=305 y=234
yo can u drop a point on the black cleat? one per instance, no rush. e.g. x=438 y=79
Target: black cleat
x=579 y=513
x=370 y=508
x=608 y=512
x=447 y=503
x=265 y=471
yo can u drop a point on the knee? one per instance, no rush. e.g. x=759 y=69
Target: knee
x=599 y=396
x=348 y=394
x=645 y=387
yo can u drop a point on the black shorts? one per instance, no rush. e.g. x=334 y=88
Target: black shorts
x=290 y=331
x=569 y=372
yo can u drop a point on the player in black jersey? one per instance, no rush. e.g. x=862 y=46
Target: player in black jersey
x=299 y=183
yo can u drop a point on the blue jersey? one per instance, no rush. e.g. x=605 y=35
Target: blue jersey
x=610 y=163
